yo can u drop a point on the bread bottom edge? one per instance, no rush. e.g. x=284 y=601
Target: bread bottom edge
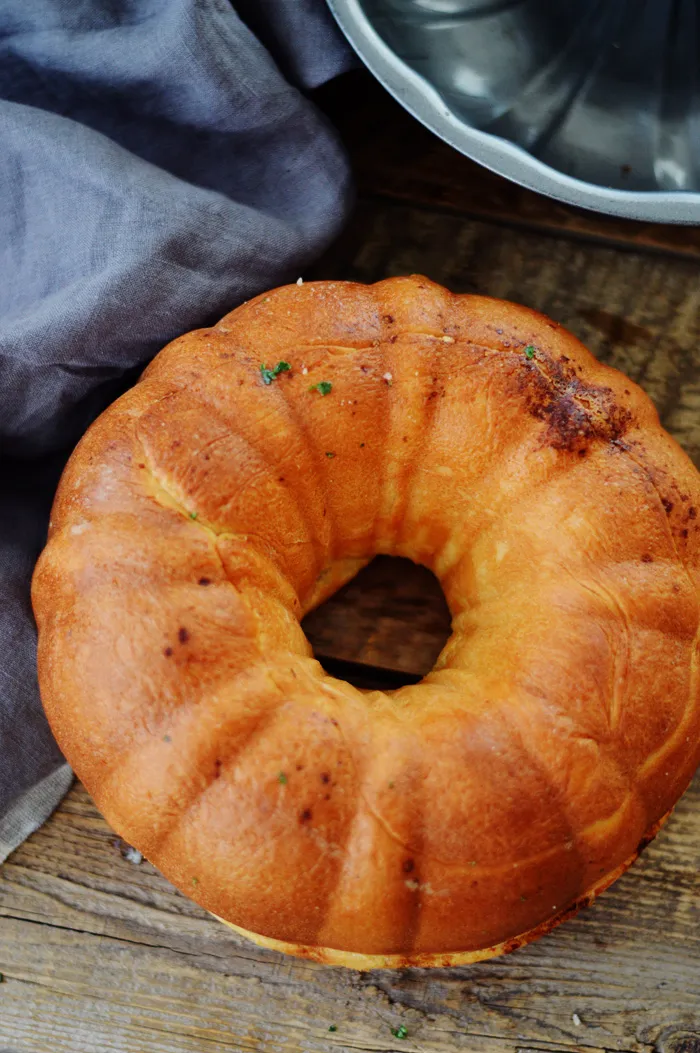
x=441 y=959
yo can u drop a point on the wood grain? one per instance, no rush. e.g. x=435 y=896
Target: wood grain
x=101 y=955
x=391 y=617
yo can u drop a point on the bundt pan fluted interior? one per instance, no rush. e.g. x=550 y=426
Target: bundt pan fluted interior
x=593 y=102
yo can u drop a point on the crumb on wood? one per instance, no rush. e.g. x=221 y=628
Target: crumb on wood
x=128 y=852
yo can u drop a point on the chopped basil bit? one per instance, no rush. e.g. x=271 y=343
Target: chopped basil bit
x=195 y=880
x=399 y=1032
x=282 y=778
x=268 y=375
x=333 y=1027
x=330 y=453
x=193 y=515
x=324 y=387
x=529 y=351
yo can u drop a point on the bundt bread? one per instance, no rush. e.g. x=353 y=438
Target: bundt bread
x=257 y=466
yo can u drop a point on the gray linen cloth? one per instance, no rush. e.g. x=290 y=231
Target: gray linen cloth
x=159 y=163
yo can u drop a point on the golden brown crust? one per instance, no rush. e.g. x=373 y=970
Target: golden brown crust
x=427 y=960
x=206 y=511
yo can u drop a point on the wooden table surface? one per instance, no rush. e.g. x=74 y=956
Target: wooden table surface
x=99 y=953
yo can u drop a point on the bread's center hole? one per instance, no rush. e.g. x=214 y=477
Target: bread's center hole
x=385 y=628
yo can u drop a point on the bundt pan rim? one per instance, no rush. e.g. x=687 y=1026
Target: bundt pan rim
x=424 y=102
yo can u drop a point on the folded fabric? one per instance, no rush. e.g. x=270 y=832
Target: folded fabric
x=157 y=168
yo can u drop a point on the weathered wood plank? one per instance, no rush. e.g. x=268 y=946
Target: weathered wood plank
x=395 y=157
x=100 y=953
x=392 y=615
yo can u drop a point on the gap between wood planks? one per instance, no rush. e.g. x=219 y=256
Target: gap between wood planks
x=516 y=997
x=341 y=1038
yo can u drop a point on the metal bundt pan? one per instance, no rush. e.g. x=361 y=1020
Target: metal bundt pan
x=593 y=102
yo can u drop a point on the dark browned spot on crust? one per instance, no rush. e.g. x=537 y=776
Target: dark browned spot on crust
x=183 y=634
x=217 y=768
x=325 y=777
x=668 y=505
x=684 y=532
x=576 y=413
x=692 y=512
x=204 y=581
x=300 y=767
x=388 y=318
x=168 y=652
x=647 y=558
x=280 y=479
x=408 y=866
x=305 y=816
